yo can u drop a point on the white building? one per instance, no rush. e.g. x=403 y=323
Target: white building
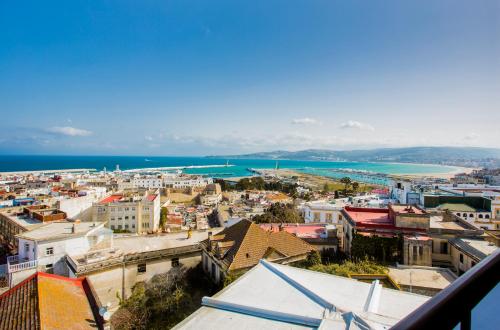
x=80 y=207
x=273 y=296
x=132 y=211
x=45 y=248
x=322 y=212
x=183 y=181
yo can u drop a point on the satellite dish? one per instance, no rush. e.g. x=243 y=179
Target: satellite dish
x=106 y=316
x=102 y=311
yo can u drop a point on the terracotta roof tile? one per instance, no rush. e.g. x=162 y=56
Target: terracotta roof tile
x=45 y=301
x=250 y=243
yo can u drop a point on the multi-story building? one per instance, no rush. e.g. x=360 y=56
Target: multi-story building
x=17 y=220
x=322 y=212
x=46 y=247
x=425 y=236
x=131 y=211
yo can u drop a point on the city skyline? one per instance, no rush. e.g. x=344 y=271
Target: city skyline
x=227 y=77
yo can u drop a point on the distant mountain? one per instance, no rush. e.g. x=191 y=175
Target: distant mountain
x=460 y=156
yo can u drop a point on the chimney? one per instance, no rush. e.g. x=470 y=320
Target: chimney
x=209 y=241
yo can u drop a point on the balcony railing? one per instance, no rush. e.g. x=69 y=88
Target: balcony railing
x=14 y=264
x=454 y=305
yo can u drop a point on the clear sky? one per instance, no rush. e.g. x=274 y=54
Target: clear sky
x=216 y=77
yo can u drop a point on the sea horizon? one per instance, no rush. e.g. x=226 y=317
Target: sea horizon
x=214 y=167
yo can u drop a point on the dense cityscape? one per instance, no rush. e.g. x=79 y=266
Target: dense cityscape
x=268 y=165
x=149 y=249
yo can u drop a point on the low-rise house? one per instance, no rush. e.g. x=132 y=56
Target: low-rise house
x=240 y=247
x=46 y=247
x=274 y=296
x=467 y=252
x=115 y=269
x=47 y=301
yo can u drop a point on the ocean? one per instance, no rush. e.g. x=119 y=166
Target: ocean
x=239 y=166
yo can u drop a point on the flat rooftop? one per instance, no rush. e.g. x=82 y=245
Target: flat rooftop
x=131 y=244
x=21 y=219
x=429 y=277
x=406 y=209
x=369 y=216
x=457 y=207
x=436 y=221
x=60 y=230
x=139 y=244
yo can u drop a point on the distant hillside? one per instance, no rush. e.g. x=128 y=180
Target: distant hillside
x=461 y=156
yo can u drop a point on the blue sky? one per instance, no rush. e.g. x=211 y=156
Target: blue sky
x=214 y=77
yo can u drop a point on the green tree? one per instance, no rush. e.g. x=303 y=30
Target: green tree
x=355 y=186
x=313 y=258
x=346 y=181
x=279 y=213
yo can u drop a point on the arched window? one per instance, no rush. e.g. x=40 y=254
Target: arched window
x=465 y=215
x=471 y=215
x=487 y=216
x=480 y=216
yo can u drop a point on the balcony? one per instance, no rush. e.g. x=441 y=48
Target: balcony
x=14 y=264
x=467 y=302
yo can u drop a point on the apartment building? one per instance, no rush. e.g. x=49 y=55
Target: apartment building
x=132 y=211
x=322 y=212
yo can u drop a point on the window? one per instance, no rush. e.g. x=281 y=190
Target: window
x=213 y=270
x=49 y=266
x=480 y=216
x=421 y=250
x=126 y=217
x=487 y=216
x=461 y=258
x=414 y=253
x=133 y=225
x=133 y=217
x=112 y=227
x=472 y=263
x=126 y=226
x=26 y=247
x=119 y=226
x=49 y=251
x=444 y=247
x=175 y=262
x=141 y=268
x=471 y=215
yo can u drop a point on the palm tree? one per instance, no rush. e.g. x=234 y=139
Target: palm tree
x=355 y=186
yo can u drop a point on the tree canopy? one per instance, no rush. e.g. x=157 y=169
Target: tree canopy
x=279 y=213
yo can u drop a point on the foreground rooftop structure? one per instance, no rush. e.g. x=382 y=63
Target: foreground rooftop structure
x=273 y=296
x=46 y=301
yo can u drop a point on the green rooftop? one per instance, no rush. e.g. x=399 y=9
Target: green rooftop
x=459 y=207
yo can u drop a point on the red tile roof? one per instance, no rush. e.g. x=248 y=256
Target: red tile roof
x=111 y=199
x=243 y=244
x=151 y=197
x=368 y=216
x=46 y=301
x=302 y=230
